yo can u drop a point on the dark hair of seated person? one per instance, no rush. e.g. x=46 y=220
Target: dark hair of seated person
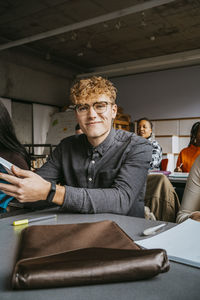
x=8 y=139
x=194 y=139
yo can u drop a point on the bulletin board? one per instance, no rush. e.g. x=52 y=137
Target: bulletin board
x=62 y=125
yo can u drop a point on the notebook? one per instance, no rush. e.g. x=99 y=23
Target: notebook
x=178 y=175
x=181 y=242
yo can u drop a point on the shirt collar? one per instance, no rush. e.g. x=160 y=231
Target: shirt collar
x=103 y=147
x=150 y=138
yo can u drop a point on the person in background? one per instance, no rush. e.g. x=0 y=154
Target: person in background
x=78 y=129
x=10 y=149
x=102 y=171
x=188 y=155
x=144 y=129
x=190 y=205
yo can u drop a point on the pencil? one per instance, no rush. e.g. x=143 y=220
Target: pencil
x=27 y=221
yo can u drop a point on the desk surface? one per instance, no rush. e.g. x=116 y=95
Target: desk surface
x=181 y=282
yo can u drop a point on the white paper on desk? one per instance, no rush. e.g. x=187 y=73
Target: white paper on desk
x=178 y=175
x=181 y=242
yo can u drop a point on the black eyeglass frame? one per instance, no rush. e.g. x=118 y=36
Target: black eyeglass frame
x=87 y=106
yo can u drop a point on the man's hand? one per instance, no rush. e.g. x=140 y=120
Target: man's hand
x=26 y=186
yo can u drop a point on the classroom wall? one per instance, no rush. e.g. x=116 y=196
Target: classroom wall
x=173 y=93
x=164 y=94
x=29 y=78
x=31 y=121
x=7 y=103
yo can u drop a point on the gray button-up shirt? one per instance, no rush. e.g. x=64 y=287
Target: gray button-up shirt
x=109 y=178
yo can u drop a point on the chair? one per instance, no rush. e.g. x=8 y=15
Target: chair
x=161 y=198
x=164 y=163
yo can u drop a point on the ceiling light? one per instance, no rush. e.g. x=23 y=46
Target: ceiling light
x=152 y=38
x=143 y=23
x=118 y=25
x=62 y=39
x=80 y=54
x=48 y=56
x=105 y=25
x=89 y=45
x=74 y=36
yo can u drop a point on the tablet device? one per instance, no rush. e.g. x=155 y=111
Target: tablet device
x=5 y=166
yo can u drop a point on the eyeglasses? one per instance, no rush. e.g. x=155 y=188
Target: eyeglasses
x=99 y=107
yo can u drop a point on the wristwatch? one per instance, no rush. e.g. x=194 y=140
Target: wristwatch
x=51 y=192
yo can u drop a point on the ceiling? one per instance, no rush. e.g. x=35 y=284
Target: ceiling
x=104 y=36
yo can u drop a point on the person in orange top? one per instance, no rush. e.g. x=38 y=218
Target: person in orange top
x=188 y=155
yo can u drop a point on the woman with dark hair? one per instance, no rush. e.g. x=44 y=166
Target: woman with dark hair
x=144 y=129
x=10 y=149
x=188 y=155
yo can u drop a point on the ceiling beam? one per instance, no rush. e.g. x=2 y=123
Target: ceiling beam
x=180 y=59
x=79 y=25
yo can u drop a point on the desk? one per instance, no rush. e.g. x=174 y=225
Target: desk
x=181 y=282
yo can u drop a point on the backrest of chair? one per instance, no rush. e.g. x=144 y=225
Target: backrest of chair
x=164 y=163
x=161 y=198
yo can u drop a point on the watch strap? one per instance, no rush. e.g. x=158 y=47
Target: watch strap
x=51 y=192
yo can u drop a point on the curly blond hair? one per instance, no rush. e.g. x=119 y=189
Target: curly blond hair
x=88 y=88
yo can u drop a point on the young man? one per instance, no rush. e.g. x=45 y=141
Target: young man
x=101 y=171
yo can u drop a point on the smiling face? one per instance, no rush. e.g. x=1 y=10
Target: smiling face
x=144 y=129
x=95 y=124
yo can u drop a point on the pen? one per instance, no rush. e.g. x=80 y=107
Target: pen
x=153 y=230
x=27 y=221
x=180 y=165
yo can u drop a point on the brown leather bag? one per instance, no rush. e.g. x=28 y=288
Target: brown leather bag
x=80 y=254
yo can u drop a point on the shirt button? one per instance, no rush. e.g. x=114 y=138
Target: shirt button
x=90 y=179
x=92 y=161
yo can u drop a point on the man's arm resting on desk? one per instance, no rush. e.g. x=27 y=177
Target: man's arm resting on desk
x=123 y=191
x=27 y=186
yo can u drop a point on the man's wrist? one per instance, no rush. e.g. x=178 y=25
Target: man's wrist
x=59 y=195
